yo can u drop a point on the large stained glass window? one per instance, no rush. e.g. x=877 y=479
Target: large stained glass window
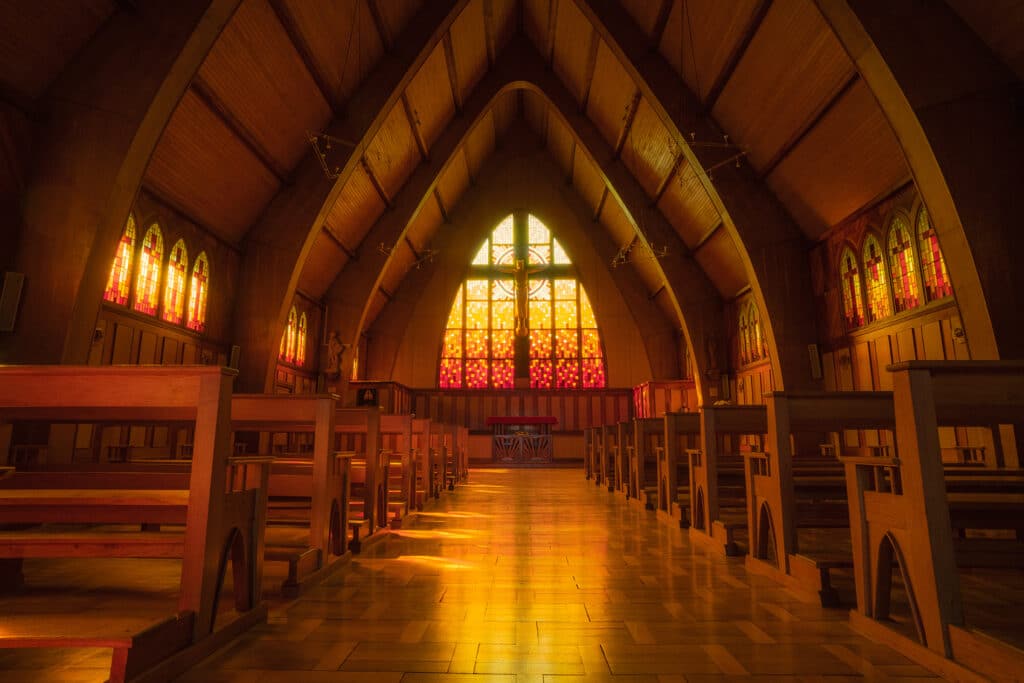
x=902 y=268
x=849 y=282
x=521 y=313
x=933 y=266
x=174 y=285
x=197 y=293
x=147 y=282
x=875 y=280
x=119 y=281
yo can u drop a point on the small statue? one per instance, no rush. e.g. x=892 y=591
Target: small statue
x=335 y=350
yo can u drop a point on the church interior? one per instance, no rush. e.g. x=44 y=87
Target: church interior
x=515 y=340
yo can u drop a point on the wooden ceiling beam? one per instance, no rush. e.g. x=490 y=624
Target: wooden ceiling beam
x=549 y=50
x=469 y=167
x=440 y=205
x=378 y=22
x=572 y=163
x=600 y=204
x=656 y=293
x=739 y=49
x=805 y=130
x=376 y=182
x=489 y=39
x=412 y=247
x=660 y=22
x=387 y=295
x=588 y=77
x=220 y=109
x=305 y=52
x=627 y=124
x=453 y=74
x=706 y=237
x=353 y=256
x=663 y=185
x=414 y=124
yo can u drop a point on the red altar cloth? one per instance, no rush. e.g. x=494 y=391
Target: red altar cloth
x=522 y=420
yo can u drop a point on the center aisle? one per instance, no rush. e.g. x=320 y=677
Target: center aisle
x=521 y=573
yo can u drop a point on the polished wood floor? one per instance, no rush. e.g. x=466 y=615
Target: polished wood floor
x=519 y=575
x=534 y=575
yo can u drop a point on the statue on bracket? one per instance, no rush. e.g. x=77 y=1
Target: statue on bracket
x=335 y=350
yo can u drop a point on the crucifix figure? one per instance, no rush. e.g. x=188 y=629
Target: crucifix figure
x=521 y=274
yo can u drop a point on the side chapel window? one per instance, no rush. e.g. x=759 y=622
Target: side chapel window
x=905 y=293
x=875 y=280
x=849 y=283
x=119 y=281
x=174 y=287
x=300 y=348
x=147 y=280
x=933 y=266
x=197 y=293
x=288 y=339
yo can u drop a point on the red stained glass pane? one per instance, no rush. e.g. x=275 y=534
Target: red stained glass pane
x=502 y=344
x=119 y=281
x=593 y=373
x=503 y=374
x=875 y=280
x=147 y=281
x=568 y=374
x=451 y=373
x=476 y=374
x=452 y=344
x=591 y=344
x=901 y=266
x=540 y=374
x=540 y=343
x=933 y=266
x=174 y=286
x=197 y=294
x=566 y=344
x=476 y=343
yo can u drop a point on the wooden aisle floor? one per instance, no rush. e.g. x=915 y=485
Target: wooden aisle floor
x=538 y=575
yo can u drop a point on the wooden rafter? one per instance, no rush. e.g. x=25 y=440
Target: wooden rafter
x=631 y=108
x=549 y=52
x=412 y=248
x=572 y=162
x=654 y=295
x=353 y=256
x=706 y=237
x=216 y=105
x=736 y=55
x=440 y=205
x=663 y=185
x=489 y=39
x=803 y=132
x=414 y=124
x=660 y=22
x=453 y=74
x=387 y=295
x=469 y=167
x=380 y=25
x=588 y=77
x=305 y=52
x=375 y=182
x=600 y=204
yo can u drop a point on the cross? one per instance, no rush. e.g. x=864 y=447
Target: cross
x=521 y=273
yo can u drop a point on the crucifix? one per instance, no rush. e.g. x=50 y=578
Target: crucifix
x=521 y=273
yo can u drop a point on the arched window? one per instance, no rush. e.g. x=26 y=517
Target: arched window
x=933 y=266
x=758 y=347
x=197 y=294
x=875 y=280
x=905 y=293
x=521 y=313
x=289 y=337
x=147 y=282
x=174 y=286
x=744 y=339
x=300 y=347
x=119 y=281
x=849 y=283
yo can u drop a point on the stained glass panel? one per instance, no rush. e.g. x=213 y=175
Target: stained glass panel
x=540 y=374
x=451 y=373
x=540 y=254
x=300 y=341
x=476 y=315
x=197 y=294
x=849 y=276
x=502 y=344
x=476 y=290
x=476 y=343
x=901 y=266
x=933 y=266
x=476 y=373
x=565 y=289
x=568 y=374
x=503 y=290
x=455 y=315
x=481 y=256
x=560 y=257
x=174 y=285
x=540 y=314
x=452 y=344
x=504 y=233
x=565 y=315
x=587 y=318
x=147 y=281
x=540 y=343
x=503 y=374
x=593 y=373
x=875 y=280
x=503 y=315
x=591 y=344
x=539 y=233
x=540 y=290
x=567 y=343
x=119 y=281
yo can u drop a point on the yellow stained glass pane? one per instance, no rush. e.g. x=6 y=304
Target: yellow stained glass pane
x=587 y=318
x=502 y=374
x=565 y=315
x=540 y=315
x=565 y=289
x=453 y=343
x=476 y=343
x=591 y=344
x=502 y=344
x=540 y=343
x=455 y=315
x=539 y=233
x=476 y=315
x=503 y=290
x=566 y=343
x=503 y=254
x=476 y=374
x=481 y=256
x=540 y=290
x=503 y=315
x=504 y=233
x=476 y=290
x=559 y=257
x=451 y=373
x=539 y=254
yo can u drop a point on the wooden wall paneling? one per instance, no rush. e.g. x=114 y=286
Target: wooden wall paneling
x=649 y=271
x=535 y=21
x=401 y=260
x=650 y=152
x=396 y=15
x=828 y=367
x=700 y=37
x=503 y=21
x=470 y=47
x=905 y=344
x=99 y=350
x=454 y=181
x=849 y=159
x=147 y=348
x=430 y=97
x=688 y=207
x=480 y=143
x=610 y=94
x=862 y=367
x=587 y=180
x=644 y=13
x=931 y=341
x=423 y=228
x=392 y=154
x=375 y=305
x=720 y=259
x=169 y=351
x=792 y=68
x=357 y=207
x=121 y=353
x=561 y=143
x=572 y=45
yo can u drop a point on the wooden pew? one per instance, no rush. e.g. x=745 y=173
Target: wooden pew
x=313 y=490
x=424 y=462
x=901 y=513
x=588 y=453
x=682 y=431
x=439 y=442
x=463 y=440
x=620 y=455
x=648 y=436
x=358 y=430
x=396 y=437
x=706 y=521
x=222 y=510
x=451 y=456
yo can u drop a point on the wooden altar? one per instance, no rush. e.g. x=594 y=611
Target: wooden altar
x=522 y=440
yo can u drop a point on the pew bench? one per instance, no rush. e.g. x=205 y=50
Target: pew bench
x=815 y=570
